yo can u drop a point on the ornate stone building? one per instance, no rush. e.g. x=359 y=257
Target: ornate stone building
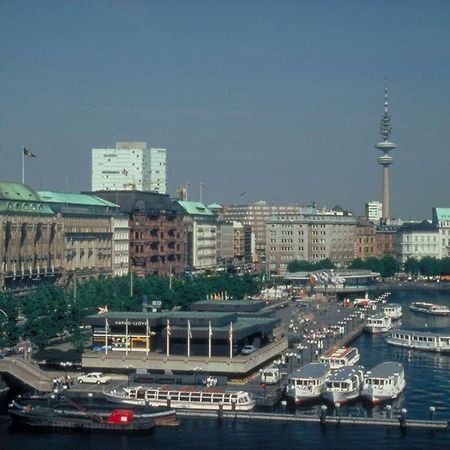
x=87 y=244
x=31 y=239
x=156 y=231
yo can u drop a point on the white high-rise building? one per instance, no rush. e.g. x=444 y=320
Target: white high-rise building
x=374 y=211
x=129 y=166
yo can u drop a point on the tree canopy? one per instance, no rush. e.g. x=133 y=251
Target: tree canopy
x=47 y=311
x=306 y=266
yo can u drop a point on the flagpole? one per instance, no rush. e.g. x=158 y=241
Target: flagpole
x=209 y=340
x=231 y=340
x=148 y=337
x=106 y=335
x=189 y=339
x=23 y=164
x=167 y=337
x=126 y=336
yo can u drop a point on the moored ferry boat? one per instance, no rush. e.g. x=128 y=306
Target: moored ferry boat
x=344 y=384
x=378 y=324
x=429 y=308
x=183 y=397
x=384 y=382
x=72 y=416
x=393 y=310
x=420 y=340
x=340 y=357
x=307 y=383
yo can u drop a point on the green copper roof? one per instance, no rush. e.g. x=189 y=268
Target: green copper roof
x=442 y=213
x=17 y=198
x=74 y=199
x=17 y=191
x=195 y=208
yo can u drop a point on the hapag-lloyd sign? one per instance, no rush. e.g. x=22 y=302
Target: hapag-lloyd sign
x=129 y=322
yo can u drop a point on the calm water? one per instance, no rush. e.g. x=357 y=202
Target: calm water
x=428 y=384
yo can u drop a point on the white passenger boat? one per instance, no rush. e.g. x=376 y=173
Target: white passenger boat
x=378 y=324
x=183 y=397
x=307 y=382
x=384 y=382
x=420 y=340
x=344 y=384
x=429 y=308
x=340 y=357
x=393 y=310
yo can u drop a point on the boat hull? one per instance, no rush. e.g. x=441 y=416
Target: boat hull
x=376 y=330
x=37 y=420
x=300 y=397
x=418 y=346
x=429 y=312
x=341 y=397
x=376 y=396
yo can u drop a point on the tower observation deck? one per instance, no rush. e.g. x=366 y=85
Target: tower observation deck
x=385 y=146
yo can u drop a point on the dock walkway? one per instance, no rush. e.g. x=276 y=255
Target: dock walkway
x=323 y=420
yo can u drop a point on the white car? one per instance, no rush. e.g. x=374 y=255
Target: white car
x=94 y=378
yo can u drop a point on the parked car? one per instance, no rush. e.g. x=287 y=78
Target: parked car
x=94 y=378
x=248 y=349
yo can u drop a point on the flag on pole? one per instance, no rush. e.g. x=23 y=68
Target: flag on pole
x=106 y=335
x=230 y=338
x=126 y=336
x=189 y=336
x=168 y=334
x=210 y=333
x=27 y=152
x=147 y=336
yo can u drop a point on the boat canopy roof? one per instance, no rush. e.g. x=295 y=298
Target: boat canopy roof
x=311 y=370
x=340 y=352
x=345 y=373
x=385 y=370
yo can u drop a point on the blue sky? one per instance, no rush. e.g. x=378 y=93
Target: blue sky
x=281 y=99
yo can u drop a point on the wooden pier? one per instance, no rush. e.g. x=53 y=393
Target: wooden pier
x=400 y=422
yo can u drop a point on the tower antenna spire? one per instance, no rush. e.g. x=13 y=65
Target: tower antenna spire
x=386 y=146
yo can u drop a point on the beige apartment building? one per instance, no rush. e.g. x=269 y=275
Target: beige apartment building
x=310 y=237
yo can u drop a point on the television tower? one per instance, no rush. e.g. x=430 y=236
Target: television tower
x=385 y=146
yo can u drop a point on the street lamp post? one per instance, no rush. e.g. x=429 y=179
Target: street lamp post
x=129 y=368
x=65 y=365
x=196 y=370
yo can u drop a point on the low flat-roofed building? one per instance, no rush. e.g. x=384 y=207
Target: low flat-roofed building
x=181 y=341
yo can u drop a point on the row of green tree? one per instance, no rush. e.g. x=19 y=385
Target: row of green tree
x=47 y=311
x=305 y=266
x=386 y=266
x=427 y=266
